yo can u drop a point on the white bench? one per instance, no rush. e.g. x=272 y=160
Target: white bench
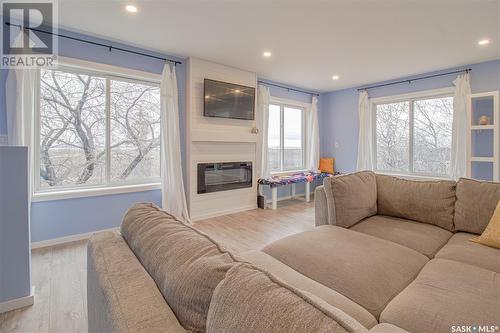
x=277 y=181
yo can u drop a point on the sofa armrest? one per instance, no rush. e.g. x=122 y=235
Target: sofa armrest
x=321 y=207
x=387 y=328
x=121 y=295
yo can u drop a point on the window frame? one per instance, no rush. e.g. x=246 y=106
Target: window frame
x=282 y=102
x=107 y=72
x=411 y=97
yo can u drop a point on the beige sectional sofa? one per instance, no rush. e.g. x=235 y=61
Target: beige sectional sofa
x=458 y=281
x=388 y=256
x=160 y=275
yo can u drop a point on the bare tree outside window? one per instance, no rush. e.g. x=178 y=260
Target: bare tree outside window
x=135 y=131
x=74 y=133
x=432 y=135
x=428 y=150
x=393 y=121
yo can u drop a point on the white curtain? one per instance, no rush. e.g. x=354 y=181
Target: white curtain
x=459 y=128
x=20 y=87
x=173 y=195
x=365 y=139
x=20 y=103
x=313 y=130
x=263 y=97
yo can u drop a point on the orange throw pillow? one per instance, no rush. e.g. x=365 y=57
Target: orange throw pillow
x=327 y=165
x=491 y=235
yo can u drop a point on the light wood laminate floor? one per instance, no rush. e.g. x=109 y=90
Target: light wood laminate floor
x=60 y=278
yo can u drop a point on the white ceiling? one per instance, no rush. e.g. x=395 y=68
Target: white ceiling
x=361 y=41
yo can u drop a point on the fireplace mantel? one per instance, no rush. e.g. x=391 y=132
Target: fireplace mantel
x=222 y=136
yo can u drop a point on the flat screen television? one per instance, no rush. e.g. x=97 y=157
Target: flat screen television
x=228 y=100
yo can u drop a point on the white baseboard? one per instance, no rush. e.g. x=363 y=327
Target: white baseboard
x=18 y=303
x=224 y=212
x=67 y=239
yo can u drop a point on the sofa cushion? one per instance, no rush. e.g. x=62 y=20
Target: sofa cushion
x=250 y=300
x=446 y=293
x=185 y=264
x=459 y=248
x=476 y=202
x=430 y=202
x=327 y=164
x=366 y=269
x=351 y=197
x=387 y=328
x=421 y=237
x=121 y=295
x=302 y=282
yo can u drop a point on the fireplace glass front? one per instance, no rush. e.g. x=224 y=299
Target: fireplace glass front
x=214 y=177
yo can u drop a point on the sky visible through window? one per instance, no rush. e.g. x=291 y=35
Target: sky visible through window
x=285 y=138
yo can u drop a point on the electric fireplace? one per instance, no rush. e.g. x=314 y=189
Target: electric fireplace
x=223 y=176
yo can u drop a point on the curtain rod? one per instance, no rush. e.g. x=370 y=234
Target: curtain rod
x=288 y=88
x=467 y=70
x=109 y=47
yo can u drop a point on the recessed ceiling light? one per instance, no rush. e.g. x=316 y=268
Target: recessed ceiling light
x=267 y=54
x=483 y=42
x=335 y=77
x=131 y=8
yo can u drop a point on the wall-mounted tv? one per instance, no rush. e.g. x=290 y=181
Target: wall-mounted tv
x=228 y=100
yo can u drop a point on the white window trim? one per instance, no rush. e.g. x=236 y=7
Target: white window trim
x=443 y=92
x=105 y=69
x=59 y=193
x=305 y=107
x=93 y=191
x=290 y=102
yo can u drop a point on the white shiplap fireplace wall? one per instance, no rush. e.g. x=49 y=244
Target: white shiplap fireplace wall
x=217 y=140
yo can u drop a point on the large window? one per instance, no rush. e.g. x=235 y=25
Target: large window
x=96 y=130
x=286 y=137
x=413 y=135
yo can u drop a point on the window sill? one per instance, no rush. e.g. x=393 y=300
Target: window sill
x=414 y=177
x=93 y=192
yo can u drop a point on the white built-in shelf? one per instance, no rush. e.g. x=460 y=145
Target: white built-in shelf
x=482 y=159
x=482 y=127
x=222 y=136
x=474 y=112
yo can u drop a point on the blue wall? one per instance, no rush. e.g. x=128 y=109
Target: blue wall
x=58 y=218
x=338 y=110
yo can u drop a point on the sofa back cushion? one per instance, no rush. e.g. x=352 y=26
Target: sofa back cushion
x=476 y=202
x=423 y=201
x=250 y=300
x=351 y=197
x=185 y=264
